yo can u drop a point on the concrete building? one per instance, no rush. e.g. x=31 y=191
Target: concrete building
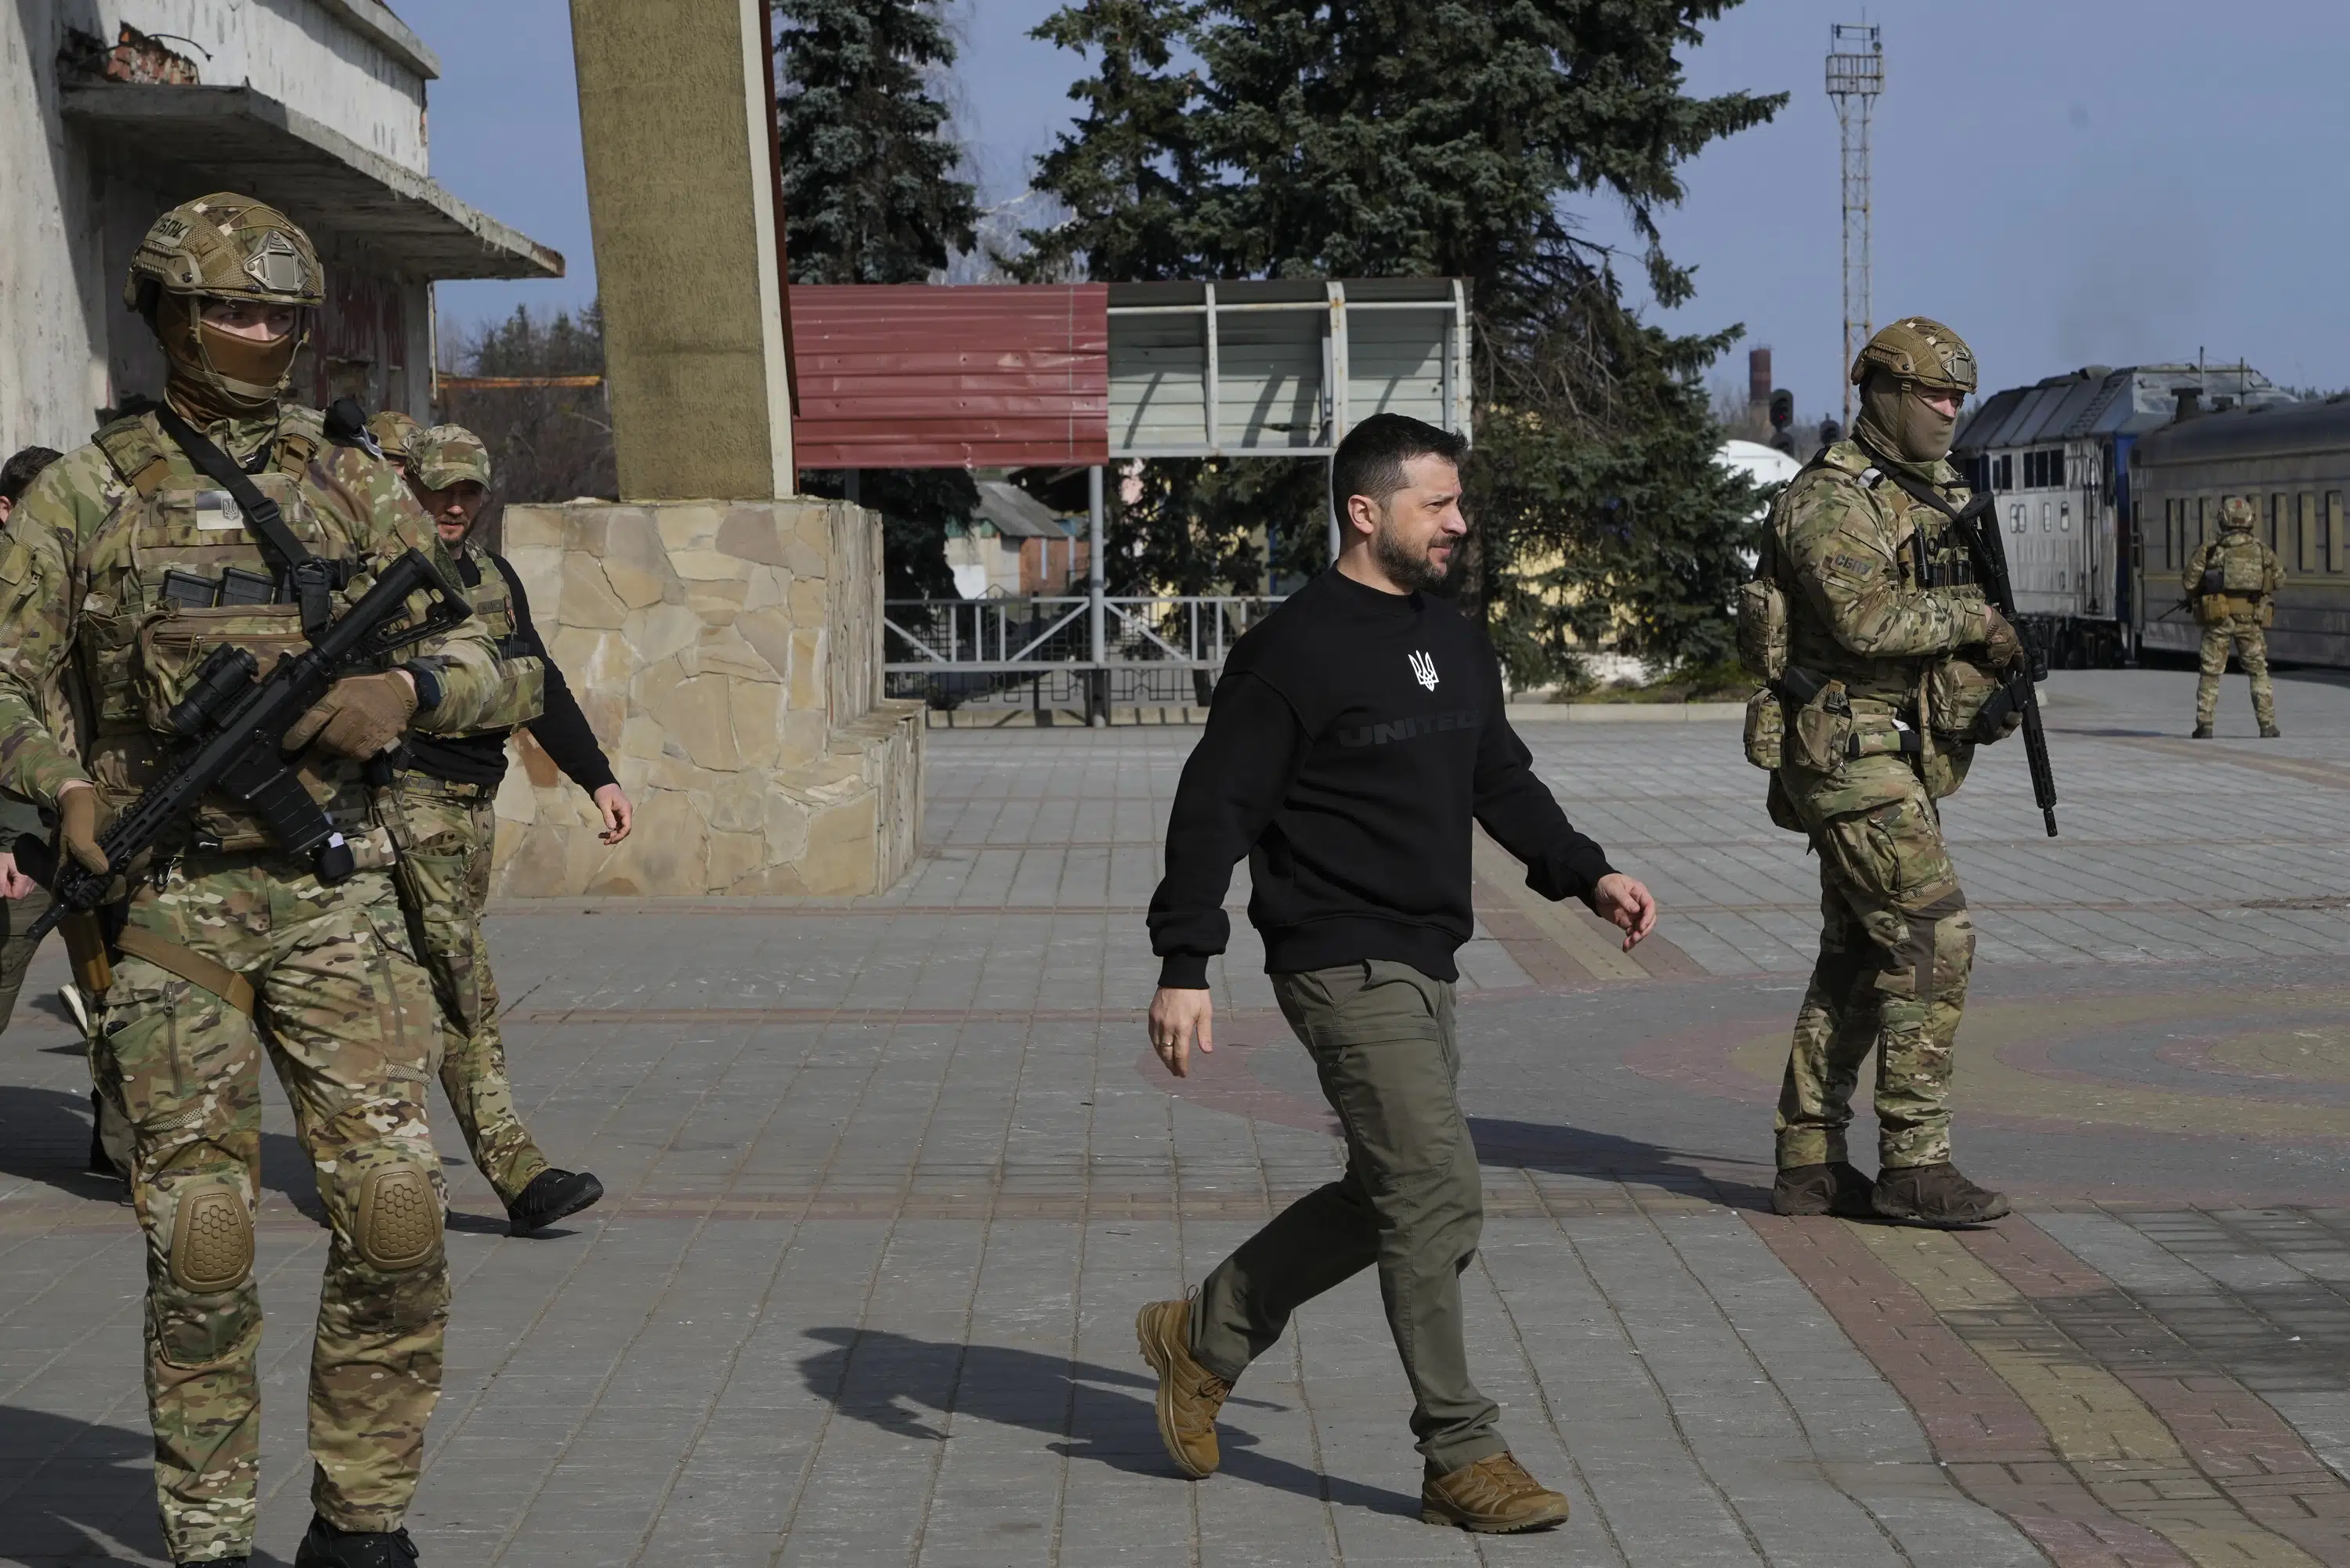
x=116 y=110
x=1016 y=546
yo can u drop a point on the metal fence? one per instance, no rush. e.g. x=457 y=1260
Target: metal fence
x=1072 y=652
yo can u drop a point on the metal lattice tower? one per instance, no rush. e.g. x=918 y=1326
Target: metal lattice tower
x=1855 y=75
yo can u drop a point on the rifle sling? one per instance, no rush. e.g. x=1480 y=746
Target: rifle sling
x=189 y=965
x=261 y=518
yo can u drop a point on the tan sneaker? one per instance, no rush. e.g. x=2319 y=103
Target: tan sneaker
x=1188 y=1394
x=1493 y=1497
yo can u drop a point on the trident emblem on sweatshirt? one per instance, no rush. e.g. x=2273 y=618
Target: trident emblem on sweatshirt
x=1423 y=668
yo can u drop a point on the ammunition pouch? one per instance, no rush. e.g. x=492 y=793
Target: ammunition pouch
x=1763 y=630
x=1766 y=730
x=1956 y=691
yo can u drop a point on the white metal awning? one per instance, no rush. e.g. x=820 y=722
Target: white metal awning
x=235 y=139
x=1281 y=368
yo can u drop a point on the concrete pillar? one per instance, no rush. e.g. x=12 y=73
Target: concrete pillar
x=723 y=634
x=675 y=120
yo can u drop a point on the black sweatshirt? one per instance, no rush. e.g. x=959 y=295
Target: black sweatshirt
x=1352 y=739
x=562 y=729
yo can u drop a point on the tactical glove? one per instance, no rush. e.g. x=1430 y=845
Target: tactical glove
x=79 y=812
x=2002 y=648
x=360 y=716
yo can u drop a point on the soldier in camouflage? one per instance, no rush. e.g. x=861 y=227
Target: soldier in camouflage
x=122 y=569
x=2232 y=583
x=441 y=812
x=392 y=430
x=1890 y=660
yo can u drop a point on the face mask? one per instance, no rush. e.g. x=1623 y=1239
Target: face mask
x=1896 y=419
x=216 y=374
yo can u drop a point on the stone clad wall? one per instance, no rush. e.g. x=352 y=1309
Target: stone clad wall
x=727 y=654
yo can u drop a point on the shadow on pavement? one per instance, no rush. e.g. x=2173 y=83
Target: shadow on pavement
x=1562 y=1150
x=1088 y=1412
x=44 y=1138
x=76 y=1492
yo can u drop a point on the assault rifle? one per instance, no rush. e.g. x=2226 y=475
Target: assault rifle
x=235 y=720
x=1979 y=531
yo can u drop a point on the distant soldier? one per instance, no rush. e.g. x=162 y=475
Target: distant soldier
x=2232 y=582
x=126 y=564
x=443 y=816
x=392 y=430
x=1881 y=660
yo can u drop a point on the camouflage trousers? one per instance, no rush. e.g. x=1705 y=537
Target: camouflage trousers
x=446 y=833
x=2242 y=636
x=347 y=1014
x=1897 y=946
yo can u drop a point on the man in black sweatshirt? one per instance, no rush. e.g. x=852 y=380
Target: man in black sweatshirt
x=1357 y=734
x=441 y=813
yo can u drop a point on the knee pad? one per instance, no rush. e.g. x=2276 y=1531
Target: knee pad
x=211 y=1235
x=398 y=1220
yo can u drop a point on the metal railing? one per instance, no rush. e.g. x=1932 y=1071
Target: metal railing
x=952 y=652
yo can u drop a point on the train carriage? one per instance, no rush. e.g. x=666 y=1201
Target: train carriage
x=2058 y=456
x=2292 y=461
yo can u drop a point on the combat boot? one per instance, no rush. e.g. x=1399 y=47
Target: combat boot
x=1935 y=1196
x=2269 y=731
x=1493 y=1497
x=327 y=1547
x=1839 y=1187
x=551 y=1195
x=2202 y=732
x=1188 y=1394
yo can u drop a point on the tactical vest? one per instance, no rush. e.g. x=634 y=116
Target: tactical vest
x=1928 y=553
x=173 y=572
x=2235 y=563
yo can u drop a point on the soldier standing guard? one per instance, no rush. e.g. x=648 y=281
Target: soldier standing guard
x=128 y=562
x=2232 y=582
x=441 y=812
x=1880 y=654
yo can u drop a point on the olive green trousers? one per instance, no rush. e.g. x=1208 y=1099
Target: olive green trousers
x=1409 y=1203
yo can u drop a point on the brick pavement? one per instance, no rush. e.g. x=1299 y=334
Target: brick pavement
x=889 y=1177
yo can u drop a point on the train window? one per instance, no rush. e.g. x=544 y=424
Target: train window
x=2015 y=517
x=2056 y=468
x=2310 y=553
x=2043 y=517
x=2007 y=471
x=2170 y=531
x=2279 y=521
x=2333 y=560
x=2203 y=525
x=2064 y=519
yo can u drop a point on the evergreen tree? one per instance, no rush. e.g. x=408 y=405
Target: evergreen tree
x=870 y=196
x=1439 y=137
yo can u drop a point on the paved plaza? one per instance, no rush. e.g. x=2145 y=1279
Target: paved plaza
x=889 y=1178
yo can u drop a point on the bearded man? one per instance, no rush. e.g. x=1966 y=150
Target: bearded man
x=1356 y=736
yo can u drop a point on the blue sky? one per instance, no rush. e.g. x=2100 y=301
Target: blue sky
x=2065 y=182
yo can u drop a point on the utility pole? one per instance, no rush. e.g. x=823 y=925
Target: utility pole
x=1855 y=75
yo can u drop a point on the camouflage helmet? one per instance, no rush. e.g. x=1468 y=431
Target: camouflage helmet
x=1922 y=352
x=395 y=433
x=225 y=247
x=2235 y=511
x=446 y=456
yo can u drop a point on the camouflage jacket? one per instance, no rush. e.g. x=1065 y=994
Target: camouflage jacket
x=1880 y=596
x=93 y=647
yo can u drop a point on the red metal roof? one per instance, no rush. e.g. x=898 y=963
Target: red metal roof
x=978 y=376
